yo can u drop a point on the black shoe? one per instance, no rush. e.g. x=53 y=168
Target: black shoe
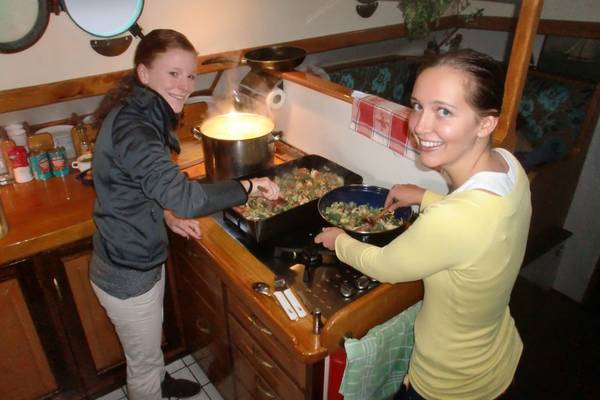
x=178 y=387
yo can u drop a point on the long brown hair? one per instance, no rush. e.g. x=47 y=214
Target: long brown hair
x=156 y=42
x=485 y=90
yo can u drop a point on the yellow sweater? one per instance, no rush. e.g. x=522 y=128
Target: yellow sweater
x=468 y=248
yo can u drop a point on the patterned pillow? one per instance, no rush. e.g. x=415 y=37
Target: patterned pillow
x=551 y=114
x=391 y=80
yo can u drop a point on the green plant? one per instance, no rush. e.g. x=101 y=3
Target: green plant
x=420 y=15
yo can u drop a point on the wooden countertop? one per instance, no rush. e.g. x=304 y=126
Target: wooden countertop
x=43 y=215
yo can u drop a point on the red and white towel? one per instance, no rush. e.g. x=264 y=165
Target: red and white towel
x=383 y=121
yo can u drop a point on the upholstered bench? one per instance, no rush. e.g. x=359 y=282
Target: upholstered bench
x=556 y=120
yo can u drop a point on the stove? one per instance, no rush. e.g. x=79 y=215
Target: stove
x=314 y=273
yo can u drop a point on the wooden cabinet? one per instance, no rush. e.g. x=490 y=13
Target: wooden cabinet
x=26 y=372
x=241 y=355
x=55 y=338
x=202 y=307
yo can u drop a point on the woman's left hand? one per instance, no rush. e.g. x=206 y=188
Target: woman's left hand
x=264 y=187
x=185 y=227
x=328 y=236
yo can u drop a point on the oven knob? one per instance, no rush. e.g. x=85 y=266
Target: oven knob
x=362 y=282
x=347 y=290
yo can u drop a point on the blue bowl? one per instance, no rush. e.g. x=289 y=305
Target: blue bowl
x=374 y=196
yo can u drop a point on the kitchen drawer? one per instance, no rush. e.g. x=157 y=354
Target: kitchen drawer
x=263 y=364
x=194 y=266
x=253 y=326
x=250 y=383
x=202 y=322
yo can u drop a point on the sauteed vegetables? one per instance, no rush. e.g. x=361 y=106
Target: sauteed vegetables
x=297 y=187
x=355 y=217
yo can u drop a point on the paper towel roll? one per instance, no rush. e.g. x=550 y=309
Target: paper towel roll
x=275 y=99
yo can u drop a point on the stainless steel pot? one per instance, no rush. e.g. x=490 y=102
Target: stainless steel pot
x=236 y=144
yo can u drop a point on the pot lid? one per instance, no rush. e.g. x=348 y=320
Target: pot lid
x=237 y=126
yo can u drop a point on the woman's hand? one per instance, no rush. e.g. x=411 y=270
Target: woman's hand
x=404 y=196
x=183 y=226
x=328 y=236
x=264 y=187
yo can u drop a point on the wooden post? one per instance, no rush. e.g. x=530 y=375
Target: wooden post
x=527 y=24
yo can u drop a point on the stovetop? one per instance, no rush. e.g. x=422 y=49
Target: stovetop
x=327 y=283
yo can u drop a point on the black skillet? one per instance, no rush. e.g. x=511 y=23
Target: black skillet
x=374 y=196
x=275 y=58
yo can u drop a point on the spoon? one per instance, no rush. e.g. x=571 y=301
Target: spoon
x=262 y=288
x=372 y=219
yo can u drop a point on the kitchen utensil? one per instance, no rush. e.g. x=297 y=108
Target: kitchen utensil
x=277 y=58
x=282 y=286
x=236 y=144
x=372 y=219
x=374 y=196
x=262 y=288
x=302 y=215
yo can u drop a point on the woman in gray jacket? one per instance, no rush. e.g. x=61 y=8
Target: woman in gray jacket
x=139 y=190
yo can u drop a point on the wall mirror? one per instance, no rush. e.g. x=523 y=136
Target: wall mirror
x=22 y=23
x=106 y=19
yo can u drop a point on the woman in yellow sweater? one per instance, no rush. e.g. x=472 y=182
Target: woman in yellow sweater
x=466 y=246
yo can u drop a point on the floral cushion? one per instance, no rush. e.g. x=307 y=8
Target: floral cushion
x=551 y=115
x=551 y=112
x=391 y=80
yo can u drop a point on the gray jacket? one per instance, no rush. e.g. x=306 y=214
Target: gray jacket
x=135 y=180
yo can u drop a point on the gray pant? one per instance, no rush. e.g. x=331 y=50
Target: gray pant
x=138 y=322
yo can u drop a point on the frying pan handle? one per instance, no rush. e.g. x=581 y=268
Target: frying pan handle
x=223 y=60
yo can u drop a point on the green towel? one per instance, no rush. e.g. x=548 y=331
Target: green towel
x=377 y=363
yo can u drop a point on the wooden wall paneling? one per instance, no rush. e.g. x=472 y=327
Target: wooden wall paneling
x=34 y=96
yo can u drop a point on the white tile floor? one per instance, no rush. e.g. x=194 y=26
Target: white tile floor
x=184 y=368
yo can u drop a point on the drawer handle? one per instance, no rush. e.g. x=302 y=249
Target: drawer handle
x=57 y=288
x=257 y=357
x=257 y=326
x=193 y=254
x=264 y=391
x=202 y=329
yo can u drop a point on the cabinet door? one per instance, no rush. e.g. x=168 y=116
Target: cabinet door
x=99 y=332
x=203 y=314
x=26 y=373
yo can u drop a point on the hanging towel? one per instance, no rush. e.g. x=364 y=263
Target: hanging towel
x=377 y=363
x=383 y=121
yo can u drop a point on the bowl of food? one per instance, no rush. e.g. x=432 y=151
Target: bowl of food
x=358 y=210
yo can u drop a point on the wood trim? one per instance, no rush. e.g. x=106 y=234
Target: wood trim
x=529 y=15
x=78 y=88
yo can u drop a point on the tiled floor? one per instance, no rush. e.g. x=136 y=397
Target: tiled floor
x=184 y=368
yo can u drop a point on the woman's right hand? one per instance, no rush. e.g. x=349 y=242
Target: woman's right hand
x=404 y=195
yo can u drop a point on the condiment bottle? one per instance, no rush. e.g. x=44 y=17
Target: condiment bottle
x=3 y=222
x=5 y=144
x=17 y=157
x=84 y=144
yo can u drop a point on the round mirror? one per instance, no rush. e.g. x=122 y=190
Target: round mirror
x=22 y=23
x=104 y=18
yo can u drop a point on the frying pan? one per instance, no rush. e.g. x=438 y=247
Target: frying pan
x=276 y=58
x=374 y=196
